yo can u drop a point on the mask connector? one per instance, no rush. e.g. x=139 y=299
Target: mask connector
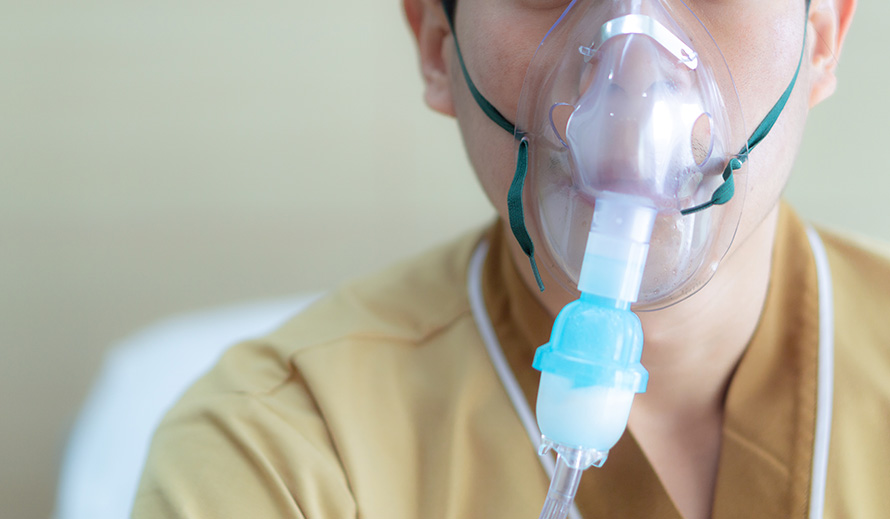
x=617 y=247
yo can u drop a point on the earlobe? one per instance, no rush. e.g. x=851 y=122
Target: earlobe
x=829 y=22
x=431 y=32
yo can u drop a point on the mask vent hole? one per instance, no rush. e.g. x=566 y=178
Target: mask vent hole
x=702 y=141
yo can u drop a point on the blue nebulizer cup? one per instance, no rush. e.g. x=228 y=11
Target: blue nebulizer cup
x=590 y=368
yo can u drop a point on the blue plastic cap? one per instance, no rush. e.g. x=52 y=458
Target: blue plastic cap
x=595 y=345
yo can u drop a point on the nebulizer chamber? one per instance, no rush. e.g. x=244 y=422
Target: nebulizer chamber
x=626 y=127
x=591 y=367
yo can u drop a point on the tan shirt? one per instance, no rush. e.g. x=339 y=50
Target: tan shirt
x=380 y=402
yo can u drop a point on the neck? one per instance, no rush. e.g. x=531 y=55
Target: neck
x=691 y=349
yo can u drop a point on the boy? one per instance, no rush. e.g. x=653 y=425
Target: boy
x=383 y=399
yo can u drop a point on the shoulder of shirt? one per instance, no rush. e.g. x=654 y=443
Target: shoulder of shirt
x=407 y=302
x=401 y=306
x=854 y=240
x=860 y=271
x=855 y=256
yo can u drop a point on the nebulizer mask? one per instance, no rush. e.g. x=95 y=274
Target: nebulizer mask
x=631 y=168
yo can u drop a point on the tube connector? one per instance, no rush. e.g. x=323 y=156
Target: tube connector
x=617 y=247
x=570 y=464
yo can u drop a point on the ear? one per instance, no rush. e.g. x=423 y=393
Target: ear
x=432 y=34
x=829 y=21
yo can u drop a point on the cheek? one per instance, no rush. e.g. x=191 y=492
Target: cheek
x=497 y=46
x=762 y=47
x=761 y=44
x=499 y=38
x=489 y=148
x=771 y=162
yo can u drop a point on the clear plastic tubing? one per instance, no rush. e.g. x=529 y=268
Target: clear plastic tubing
x=590 y=369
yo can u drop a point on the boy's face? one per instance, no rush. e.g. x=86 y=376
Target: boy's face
x=761 y=41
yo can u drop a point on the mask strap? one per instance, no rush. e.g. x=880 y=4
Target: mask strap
x=721 y=195
x=517 y=215
x=483 y=103
x=514 y=195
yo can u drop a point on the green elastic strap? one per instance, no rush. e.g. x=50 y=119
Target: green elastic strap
x=514 y=195
x=517 y=215
x=724 y=193
x=483 y=103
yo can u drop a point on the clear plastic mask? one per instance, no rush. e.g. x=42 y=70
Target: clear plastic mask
x=632 y=97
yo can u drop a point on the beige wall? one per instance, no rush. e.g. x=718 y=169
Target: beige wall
x=172 y=155
x=840 y=179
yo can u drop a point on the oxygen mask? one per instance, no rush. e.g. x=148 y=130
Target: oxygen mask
x=632 y=98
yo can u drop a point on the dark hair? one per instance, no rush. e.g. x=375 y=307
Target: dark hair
x=449 y=7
